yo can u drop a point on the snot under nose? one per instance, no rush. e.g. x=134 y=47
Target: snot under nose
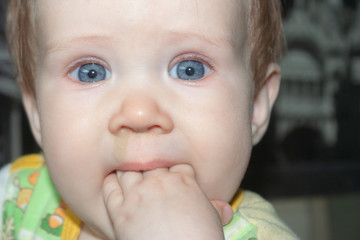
x=140 y=113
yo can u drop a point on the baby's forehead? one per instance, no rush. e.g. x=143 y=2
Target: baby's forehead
x=225 y=18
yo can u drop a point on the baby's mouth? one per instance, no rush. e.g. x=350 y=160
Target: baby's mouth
x=145 y=165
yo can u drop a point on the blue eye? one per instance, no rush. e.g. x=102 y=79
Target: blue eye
x=189 y=70
x=90 y=73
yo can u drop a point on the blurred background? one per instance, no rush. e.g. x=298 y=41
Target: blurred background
x=308 y=163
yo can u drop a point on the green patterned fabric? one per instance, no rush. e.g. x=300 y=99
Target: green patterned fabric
x=239 y=229
x=32 y=207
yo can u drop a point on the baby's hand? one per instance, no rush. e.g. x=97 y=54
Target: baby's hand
x=163 y=204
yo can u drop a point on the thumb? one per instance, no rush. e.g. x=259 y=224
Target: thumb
x=224 y=209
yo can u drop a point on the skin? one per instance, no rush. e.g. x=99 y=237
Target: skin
x=142 y=146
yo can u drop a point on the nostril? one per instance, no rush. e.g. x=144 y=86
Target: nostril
x=155 y=129
x=125 y=129
x=121 y=125
x=151 y=129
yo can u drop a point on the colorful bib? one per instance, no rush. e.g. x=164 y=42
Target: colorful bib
x=33 y=209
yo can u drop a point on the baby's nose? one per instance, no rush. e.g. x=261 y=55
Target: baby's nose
x=140 y=113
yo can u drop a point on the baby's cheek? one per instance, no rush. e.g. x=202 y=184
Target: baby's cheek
x=222 y=186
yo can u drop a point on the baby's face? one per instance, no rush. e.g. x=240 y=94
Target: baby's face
x=136 y=85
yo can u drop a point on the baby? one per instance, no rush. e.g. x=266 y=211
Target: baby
x=146 y=113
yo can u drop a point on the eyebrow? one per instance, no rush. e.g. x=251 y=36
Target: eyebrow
x=65 y=43
x=219 y=42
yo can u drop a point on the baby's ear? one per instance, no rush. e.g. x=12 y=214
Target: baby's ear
x=264 y=101
x=32 y=113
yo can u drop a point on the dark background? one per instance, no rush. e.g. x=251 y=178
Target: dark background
x=313 y=142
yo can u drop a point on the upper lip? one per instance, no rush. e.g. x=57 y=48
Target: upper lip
x=146 y=152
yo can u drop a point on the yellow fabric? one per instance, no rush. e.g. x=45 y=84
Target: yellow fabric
x=72 y=226
x=28 y=161
x=237 y=199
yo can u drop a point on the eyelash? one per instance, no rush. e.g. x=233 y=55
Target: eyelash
x=193 y=57
x=78 y=63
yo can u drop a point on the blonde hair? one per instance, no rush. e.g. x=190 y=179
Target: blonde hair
x=20 y=33
x=265 y=40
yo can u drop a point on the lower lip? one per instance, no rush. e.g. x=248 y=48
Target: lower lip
x=146 y=166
